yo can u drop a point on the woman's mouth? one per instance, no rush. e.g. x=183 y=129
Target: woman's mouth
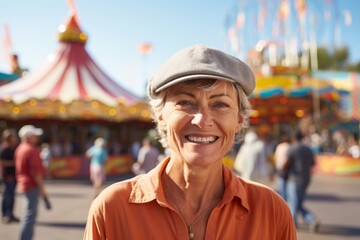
x=195 y=139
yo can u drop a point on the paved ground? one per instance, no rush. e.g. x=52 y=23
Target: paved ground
x=335 y=200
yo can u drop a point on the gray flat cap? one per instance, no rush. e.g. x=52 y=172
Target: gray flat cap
x=199 y=62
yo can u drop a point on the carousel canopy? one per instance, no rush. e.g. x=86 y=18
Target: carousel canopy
x=70 y=85
x=287 y=86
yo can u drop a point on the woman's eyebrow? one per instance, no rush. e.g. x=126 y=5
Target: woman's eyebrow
x=220 y=95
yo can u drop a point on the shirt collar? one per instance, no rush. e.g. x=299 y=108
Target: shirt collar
x=149 y=187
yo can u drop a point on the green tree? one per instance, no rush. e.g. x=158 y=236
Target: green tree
x=340 y=56
x=354 y=67
x=336 y=59
x=325 y=60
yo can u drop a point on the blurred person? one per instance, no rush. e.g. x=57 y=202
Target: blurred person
x=299 y=166
x=98 y=155
x=134 y=149
x=8 y=146
x=45 y=154
x=30 y=174
x=56 y=149
x=315 y=142
x=251 y=161
x=281 y=162
x=199 y=99
x=340 y=141
x=148 y=158
x=354 y=148
x=67 y=147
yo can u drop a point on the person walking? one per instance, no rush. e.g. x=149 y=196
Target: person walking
x=300 y=162
x=30 y=174
x=98 y=155
x=8 y=146
x=251 y=161
x=148 y=157
x=281 y=162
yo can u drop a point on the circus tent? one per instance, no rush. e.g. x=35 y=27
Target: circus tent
x=70 y=86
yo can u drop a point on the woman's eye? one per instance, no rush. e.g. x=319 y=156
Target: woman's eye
x=185 y=103
x=221 y=105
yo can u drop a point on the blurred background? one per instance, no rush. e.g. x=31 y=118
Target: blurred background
x=78 y=70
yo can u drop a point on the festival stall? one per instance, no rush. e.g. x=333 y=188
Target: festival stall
x=288 y=98
x=75 y=101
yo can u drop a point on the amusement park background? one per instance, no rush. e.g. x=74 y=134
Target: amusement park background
x=79 y=72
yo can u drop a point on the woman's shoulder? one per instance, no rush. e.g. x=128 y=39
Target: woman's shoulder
x=260 y=192
x=116 y=192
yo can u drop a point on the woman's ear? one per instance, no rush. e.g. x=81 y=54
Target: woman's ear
x=161 y=122
x=239 y=125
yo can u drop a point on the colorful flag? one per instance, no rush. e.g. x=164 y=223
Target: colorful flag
x=347 y=17
x=145 y=48
x=7 y=45
x=240 y=20
x=284 y=10
x=73 y=9
x=7 y=39
x=301 y=8
x=262 y=15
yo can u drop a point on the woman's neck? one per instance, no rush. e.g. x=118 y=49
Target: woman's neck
x=195 y=188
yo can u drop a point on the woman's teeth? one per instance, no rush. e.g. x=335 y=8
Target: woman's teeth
x=201 y=139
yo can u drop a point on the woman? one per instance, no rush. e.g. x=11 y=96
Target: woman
x=98 y=155
x=200 y=103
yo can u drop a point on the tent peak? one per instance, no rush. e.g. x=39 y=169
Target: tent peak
x=71 y=32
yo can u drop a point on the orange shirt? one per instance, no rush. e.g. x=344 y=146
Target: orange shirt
x=137 y=209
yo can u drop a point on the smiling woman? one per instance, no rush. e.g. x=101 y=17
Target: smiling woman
x=200 y=104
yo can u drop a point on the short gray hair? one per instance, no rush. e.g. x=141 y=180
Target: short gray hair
x=157 y=103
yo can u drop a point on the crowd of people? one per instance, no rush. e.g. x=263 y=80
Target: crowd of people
x=23 y=170
x=24 y=161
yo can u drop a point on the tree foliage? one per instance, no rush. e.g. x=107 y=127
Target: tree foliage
x=336 y=59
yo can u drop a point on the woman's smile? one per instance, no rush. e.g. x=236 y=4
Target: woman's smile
x=201 y=140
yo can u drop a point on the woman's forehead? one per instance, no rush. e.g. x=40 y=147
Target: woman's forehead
x=219 y=86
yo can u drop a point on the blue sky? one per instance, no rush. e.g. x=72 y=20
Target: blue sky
x=116 y=27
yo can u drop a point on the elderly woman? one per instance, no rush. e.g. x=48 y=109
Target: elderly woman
x=200 y=104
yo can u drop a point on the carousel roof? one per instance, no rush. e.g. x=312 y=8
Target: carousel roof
x=70 y=77
x=287 y=86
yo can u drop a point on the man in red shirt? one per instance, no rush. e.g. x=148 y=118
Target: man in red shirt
x=30 y=177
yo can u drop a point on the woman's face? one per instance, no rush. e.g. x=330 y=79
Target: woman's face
x=200 y=124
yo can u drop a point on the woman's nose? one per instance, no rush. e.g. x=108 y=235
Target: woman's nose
x=202 y=119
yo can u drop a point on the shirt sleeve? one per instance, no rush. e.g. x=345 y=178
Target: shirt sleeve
x=95 y=227
x=286 y=227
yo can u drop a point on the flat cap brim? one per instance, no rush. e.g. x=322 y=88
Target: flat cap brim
x=201 y=62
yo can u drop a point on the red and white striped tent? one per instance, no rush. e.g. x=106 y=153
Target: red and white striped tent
x=70 y=86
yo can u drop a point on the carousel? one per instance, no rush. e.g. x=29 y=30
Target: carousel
x=75 y=101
